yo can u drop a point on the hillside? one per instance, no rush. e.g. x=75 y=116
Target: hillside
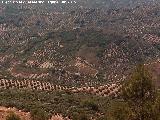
x=69 y=52
x=83 y=46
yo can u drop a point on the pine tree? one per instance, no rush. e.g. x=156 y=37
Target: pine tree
x=140 y=100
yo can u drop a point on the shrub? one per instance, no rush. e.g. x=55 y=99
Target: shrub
x=119 y=111
x=80 y=116
x=83 y=117
x=90 y=104
x=12 y=116
x=139 y=101
x=39 y=114
x=140 y=87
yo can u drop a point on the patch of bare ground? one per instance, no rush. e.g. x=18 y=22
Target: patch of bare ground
x=23 y=115
x=5 y=111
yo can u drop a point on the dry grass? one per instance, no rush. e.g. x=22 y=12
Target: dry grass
x=24 y=115
x=6 y=111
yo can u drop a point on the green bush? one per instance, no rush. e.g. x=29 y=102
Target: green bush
x=119 y=111
x=140 y=87
x=80 y=116
x=39 y=114
x=68 y=36
x=83 y=117
x=140 y=100
x=90 y=104
x=12 y=116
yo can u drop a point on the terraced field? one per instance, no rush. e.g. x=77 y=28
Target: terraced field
x=105 y=90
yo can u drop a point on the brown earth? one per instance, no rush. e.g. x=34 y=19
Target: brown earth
x=23 y=115
x=5 y=111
